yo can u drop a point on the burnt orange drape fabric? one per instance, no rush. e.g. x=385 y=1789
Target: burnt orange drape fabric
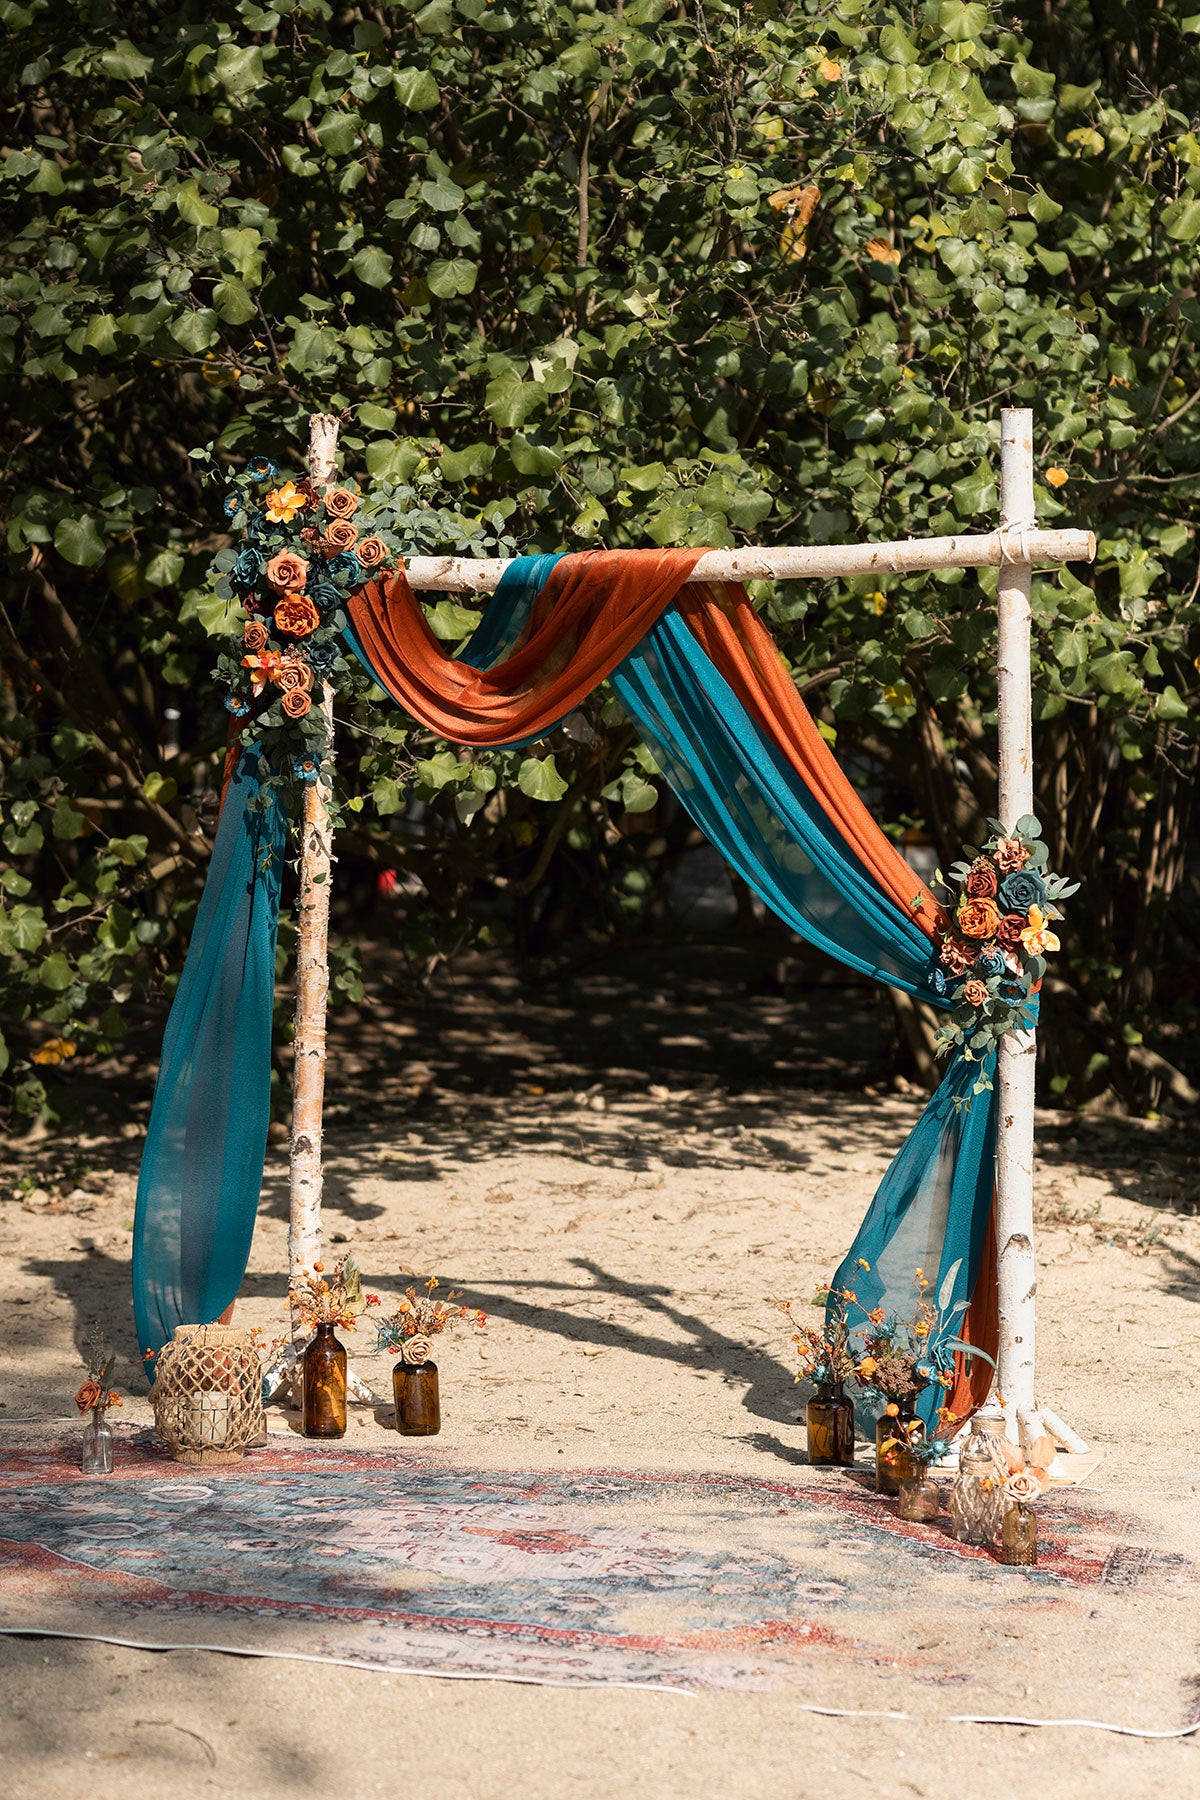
x=981 y=1327
x=737 y=643
x=592 y=611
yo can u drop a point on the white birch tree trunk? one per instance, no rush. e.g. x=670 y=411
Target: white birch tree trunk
x=1017 y=1272
x=312 y=961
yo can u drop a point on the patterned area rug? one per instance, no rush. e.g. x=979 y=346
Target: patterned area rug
x=653 y=1579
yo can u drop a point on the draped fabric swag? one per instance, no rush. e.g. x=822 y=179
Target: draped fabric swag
x=703 y=682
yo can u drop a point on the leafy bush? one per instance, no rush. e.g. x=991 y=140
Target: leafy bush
x=581 y=274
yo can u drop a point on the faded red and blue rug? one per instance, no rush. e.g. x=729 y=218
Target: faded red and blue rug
x=573 y=1577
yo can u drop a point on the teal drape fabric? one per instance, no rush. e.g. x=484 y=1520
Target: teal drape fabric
x=203 y=1161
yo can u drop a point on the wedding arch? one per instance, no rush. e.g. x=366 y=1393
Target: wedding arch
x=674 y=632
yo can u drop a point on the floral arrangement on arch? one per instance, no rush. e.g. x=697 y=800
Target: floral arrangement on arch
x=302 y=553
x=296 y=558
x=409 y=1331
x=991 y=964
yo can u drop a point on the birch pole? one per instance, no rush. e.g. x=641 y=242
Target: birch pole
x=1016 y=1272
x=312 y=959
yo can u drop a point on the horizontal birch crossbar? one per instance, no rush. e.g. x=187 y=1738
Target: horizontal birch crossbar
x=465 y=574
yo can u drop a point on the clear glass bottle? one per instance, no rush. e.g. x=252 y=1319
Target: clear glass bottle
x=418 y=1403
x=97 y=1443
x=920 y=1498
x=893 y=1432
x=830 y=1421
x=976 y=1504
x=325 y=1386
x=1018 y=1536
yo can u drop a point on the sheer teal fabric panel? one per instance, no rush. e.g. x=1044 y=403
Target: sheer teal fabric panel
x=750 y=802
x=202 y=1164
x=931 y=1209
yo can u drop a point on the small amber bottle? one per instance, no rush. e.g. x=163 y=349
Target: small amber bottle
x=830 y=1421
x=418 y=1404
x=1018 y=1536
x=325 y=1386
x=893 y=1460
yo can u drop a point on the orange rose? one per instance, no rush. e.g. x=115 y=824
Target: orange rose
x=974 y=993
x=287 y=571
x=254 y=637
x=89 y=1395
x=296 y=704
x=340 y=535
x=340 y=503
x=976 y=918
x=294 y=677
x=296 y=617
x=371 y=552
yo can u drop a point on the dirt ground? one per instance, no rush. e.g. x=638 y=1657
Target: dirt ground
x=627 y=1175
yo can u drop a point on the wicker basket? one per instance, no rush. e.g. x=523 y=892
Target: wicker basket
x=207 y=1395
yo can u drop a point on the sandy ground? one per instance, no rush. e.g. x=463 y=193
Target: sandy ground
x=629 y=1246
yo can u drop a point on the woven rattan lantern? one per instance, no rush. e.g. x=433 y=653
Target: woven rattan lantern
x=207 y=1397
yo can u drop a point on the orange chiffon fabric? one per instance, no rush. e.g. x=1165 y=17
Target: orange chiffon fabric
x=592 y=611
x=980 y=1326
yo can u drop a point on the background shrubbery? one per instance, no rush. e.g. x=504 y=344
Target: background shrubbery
x=544 y=262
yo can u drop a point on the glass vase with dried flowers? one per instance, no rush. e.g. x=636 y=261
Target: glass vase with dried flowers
x=1026 y=1480
x=919 y=1498
x=976 y=1504
x=900 y=1359
x=410 y=1332
x=827 y=1361
x=94 y=1399
x=327 y=1305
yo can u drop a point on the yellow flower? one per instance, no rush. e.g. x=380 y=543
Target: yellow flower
x=1057 y=477
x=55 y=1050
x=283 y=503
x=1035 y=937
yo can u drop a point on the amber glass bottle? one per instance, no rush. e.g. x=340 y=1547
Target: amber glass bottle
x=418 y=1405
x=1018 y=1536
x=830 y=1420
x=325 y=1386
x=895 y=1464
